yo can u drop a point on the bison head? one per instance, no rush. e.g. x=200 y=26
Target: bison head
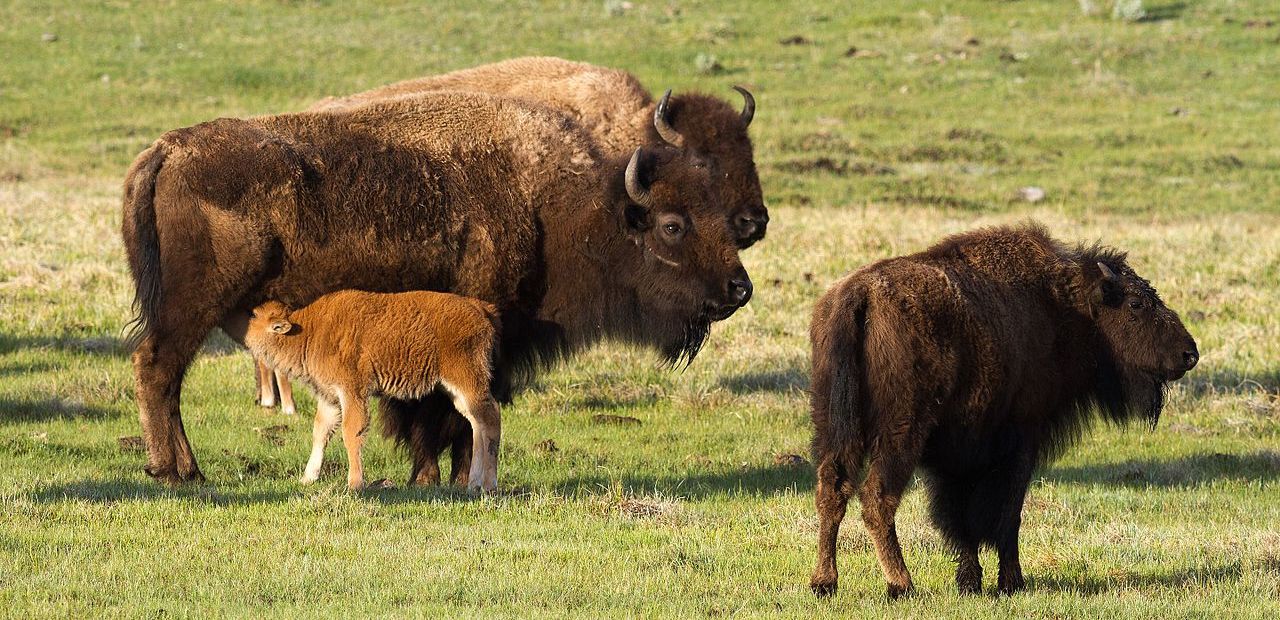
x=688 y=273
x=1147 y=344
x=713 y=135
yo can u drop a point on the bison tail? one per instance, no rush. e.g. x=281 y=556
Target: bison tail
x=837 y=379
x=142 y=240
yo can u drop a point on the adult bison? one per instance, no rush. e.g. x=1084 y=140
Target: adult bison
x=976 y=360
x=465 y=193
x=616 y=109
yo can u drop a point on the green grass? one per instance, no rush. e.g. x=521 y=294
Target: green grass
x=1158 y=136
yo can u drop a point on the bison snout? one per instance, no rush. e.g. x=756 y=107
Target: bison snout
x=1189 y=358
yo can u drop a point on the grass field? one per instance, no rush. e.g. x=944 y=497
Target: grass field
x=881 y=127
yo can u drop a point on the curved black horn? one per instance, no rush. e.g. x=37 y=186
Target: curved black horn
x=665 y=130
x=748 y=105
x=635 y=189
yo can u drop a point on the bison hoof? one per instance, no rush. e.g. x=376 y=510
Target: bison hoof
x=823 y=588
x=1011 y=585
x=969 y=581
x=897 y=591
x=171 y=476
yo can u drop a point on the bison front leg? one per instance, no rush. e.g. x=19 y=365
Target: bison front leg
x=327 y=417
x=831 y=500
x=949 y=499
x=998 y=500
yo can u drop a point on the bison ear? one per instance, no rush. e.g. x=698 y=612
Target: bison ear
x=280 y=326
x=1107 y=291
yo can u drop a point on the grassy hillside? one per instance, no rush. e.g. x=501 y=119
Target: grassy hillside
x=880 y=127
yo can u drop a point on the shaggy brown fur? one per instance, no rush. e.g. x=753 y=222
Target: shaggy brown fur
x=976 y=360
x=467 y=193
x=616 y=109
x=351 y=345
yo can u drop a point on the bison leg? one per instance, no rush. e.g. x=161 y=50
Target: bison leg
x=460 y=450
x=287 y=405
x=949 y=497
x=327 y=417
x=355 y=426
x=880 y=495
x=832 y=498
x=421 y=426
x=1004 y=492
x=478 y=406
x=160 y=363
x=266 y=387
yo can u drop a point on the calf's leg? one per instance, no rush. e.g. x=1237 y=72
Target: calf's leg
x=327 y=417
x=355 y=426
x=478 y=406
x=266 y=386
x=287 y=406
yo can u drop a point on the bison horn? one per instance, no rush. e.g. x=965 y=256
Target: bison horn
x=665 y=130
x=635 y=189
x=1107 y=273
x=748 y=105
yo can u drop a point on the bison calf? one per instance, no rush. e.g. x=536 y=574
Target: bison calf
x=976 y=360
x=351 y=345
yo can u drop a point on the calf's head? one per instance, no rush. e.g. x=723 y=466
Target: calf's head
x=687 y=272
x=271 y=317
x=714 y=135
x=1147 y=344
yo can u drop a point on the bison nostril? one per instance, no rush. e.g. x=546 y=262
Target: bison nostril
x=1189 y=359
x=740 y=290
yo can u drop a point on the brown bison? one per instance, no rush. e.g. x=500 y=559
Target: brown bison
x=621 y=115
x=467 y=193
x=616 y=109
x=976 y=360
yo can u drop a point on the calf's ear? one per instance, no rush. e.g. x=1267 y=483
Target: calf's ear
x=1107 y=290
x=280 y=326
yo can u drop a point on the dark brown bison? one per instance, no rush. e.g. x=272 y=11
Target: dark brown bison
x=976 y=360
x=477 y=195
x=617 y=110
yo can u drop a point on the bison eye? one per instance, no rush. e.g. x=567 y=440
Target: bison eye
x=672 y=229
x=1135 y=304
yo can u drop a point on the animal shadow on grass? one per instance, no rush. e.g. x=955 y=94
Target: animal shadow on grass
x=1179 y=579
x=19 y=411
x=793 y=379
x=105 y=346
x=1186 y=471
x=1164 y=12
x=109 y=491
x=114 y=491
x=749 y=481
